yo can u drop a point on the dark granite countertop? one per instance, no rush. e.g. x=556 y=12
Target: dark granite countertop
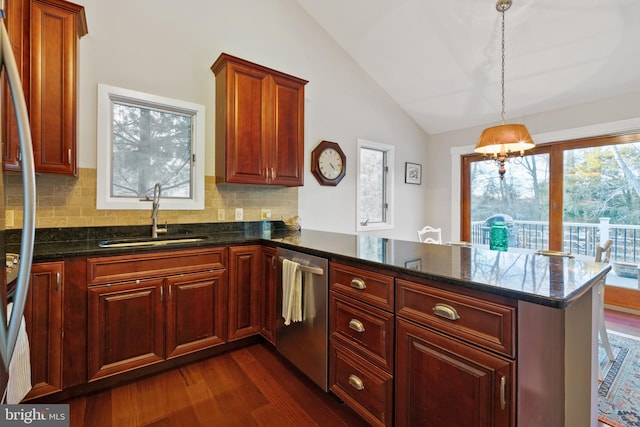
x=518 y=274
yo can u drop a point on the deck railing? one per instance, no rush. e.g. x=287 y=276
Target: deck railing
x=578 y=238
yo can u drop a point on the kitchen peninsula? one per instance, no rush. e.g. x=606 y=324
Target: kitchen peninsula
x=506 y=336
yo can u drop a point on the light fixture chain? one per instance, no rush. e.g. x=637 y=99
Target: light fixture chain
x=503 y=57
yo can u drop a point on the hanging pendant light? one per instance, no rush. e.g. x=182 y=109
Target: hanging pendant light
x=502 y=142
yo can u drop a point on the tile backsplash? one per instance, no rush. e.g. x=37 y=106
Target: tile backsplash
x=64 y=201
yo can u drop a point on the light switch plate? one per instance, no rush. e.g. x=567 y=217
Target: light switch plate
x=239 y=214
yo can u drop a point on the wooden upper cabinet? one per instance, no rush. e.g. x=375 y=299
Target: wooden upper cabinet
x=18 y=36
x=44 y=36
x=259 y=124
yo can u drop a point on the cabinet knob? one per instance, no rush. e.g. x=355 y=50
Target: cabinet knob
x=356 y=325
x=446 y=311
x=358 y=284
x=356 y=382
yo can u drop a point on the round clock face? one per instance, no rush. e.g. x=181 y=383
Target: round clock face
x=330 y=163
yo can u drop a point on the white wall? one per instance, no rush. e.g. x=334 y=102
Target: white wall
x=167 y=48
x=597 y=118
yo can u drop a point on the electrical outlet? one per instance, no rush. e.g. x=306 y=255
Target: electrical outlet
x=265 y=213
x=9 y=218
x=239 y=214
x=220 y=214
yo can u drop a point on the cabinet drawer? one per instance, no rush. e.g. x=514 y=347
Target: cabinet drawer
x=368 y=330
x=367 y=286
x=367 y=389
x=488 y=324
x=113 y=269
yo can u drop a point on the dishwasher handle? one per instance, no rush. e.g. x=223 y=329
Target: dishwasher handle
x=308 y=268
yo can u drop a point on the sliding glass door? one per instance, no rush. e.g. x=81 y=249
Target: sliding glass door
x=570 y=196
x=520 y=200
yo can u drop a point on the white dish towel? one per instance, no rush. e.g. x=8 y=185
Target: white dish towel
x=291 y=292
x=19 y=366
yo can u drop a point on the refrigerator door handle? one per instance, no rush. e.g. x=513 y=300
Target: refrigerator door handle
x=9 y=332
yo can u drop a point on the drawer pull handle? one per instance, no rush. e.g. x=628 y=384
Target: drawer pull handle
x=356 y=325
x=356 y=382
x=446 y=311
x=358 y=284
x=503 y=385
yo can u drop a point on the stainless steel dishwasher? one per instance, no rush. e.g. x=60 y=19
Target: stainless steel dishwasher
x=305 y=343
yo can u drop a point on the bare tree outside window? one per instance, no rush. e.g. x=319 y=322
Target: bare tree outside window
x=143 y=140
x=150 y=146
x=372 y=176
x=374 y=185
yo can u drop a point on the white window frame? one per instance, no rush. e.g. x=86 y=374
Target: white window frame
x=389 y=183
x=106 y=95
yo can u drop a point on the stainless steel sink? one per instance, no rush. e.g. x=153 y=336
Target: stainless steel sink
x=148 y=241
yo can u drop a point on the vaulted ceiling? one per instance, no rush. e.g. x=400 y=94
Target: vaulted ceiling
x=440 y=60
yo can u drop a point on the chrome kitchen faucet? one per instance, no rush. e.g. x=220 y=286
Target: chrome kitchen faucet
x=157 y=192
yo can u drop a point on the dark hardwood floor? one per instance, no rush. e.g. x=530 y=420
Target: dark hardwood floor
x=252 y=386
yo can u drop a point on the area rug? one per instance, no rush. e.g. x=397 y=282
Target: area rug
x=619 y=392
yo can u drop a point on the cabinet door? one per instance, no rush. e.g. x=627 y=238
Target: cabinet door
x=268 y=294
x=53 y=42
x=246 y=125
x=442 y=381
x=43 y=317
x=126 y=326
x=196 y=311
x=287 y=139
x=259 y=124
x=16 y=10
x=244 y=287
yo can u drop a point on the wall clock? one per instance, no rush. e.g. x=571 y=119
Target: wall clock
x=328 y=163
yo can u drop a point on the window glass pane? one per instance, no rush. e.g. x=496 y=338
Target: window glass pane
x=372 y=185
x=521 y=200
x=372 y=248
x=601 y=200
x=150 y=145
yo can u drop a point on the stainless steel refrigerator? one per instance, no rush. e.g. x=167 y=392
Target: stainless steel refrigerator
x=9 y=327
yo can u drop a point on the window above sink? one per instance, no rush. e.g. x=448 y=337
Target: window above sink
x=145 y=139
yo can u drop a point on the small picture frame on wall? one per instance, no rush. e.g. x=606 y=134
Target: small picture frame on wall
x=414 y=264
x=412 y=173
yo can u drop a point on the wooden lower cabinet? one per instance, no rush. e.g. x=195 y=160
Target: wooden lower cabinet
x=43 y=318
x=137 y=323
x=196 y=315
x=125 y=326
x=363 y=386
x=244 y=287
x=268 y=315
x=441 y=381
x=361 y=324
